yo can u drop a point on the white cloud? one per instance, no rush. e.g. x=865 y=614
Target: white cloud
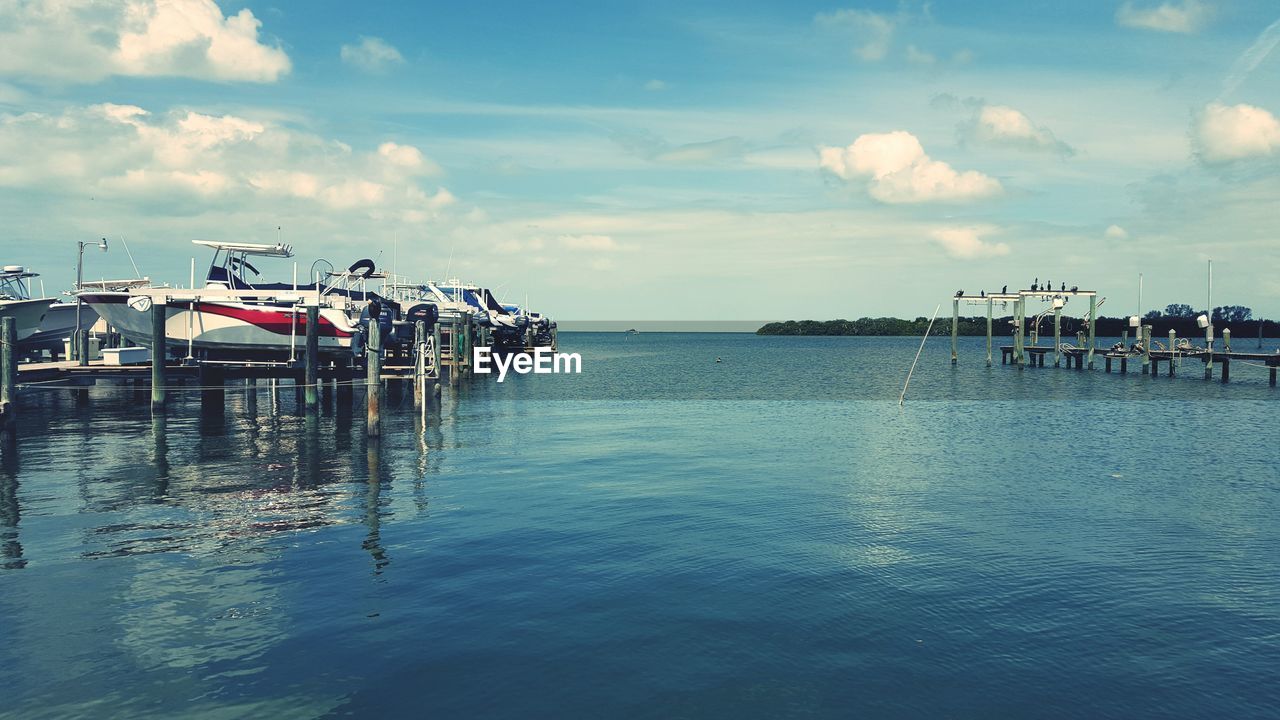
x=1003 y=125
x=1115 y=232
x=1227 y=133
x=899 y=171
x=1187 y=16
x=916 y=56
x=591 y=243
x=371 y=54
x=127 y=154
x=86 y=41
x=966 y=243
x=871 y=32
x=655 y=85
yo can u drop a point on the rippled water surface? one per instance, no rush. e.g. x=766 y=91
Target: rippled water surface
x=663 y=536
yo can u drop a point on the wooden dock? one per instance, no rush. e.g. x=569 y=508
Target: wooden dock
x=1149 y=362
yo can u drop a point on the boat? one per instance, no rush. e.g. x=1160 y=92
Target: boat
x=59 y=320
x=237 y=315
x=16 y=301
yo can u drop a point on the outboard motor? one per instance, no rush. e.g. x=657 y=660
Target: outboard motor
x=405 y=329
x=384 y=321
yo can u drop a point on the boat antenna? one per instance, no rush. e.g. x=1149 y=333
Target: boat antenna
x=452 y=244
x=395 y=253
x=136 y=271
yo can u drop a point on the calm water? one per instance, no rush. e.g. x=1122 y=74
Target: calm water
x=660 y=537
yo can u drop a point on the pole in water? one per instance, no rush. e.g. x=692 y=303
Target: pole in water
x=8 y=370
x=955 y=327
x=373 y=385
x=158 y=355
x=902 y=398
x=312 y=376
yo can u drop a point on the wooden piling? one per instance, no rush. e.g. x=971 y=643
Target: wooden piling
x=82 y=346
x=1272 y=380
x=312 y=376
x=419 y=362
x=989 y=303
x=1019 y=313
x=373 y=388
x=1226 y=339
x=1057 y=337
x=1108 y=359
x=8 y=370
x=1226 y=369
x=1124 y=365
x=1173 y=349
x=1093 y=327
x=1146 y=349
x=955 y=327
x=158 y=355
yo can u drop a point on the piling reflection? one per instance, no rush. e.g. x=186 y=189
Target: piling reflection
x=372 y=509
x=10 y=546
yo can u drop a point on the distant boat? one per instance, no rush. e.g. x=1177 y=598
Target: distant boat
x=632 y=331
x=42 y=322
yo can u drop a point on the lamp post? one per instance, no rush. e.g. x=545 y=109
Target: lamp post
x=79 y=339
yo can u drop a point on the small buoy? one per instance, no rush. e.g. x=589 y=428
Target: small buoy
x=717 y=359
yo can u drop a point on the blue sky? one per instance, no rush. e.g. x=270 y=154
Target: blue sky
x=660 y=160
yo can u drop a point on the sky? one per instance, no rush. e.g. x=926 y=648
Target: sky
x=658 y=160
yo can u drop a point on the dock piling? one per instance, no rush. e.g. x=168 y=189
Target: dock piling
x=158 y=355
x=1146 y=349
x=373 y=389
x=8 y=370
x=313 y=359
x=1057 y=337
x=955 y=327
x=1226 y=369
x=1173 y=349
x=1019 y=314
x=419 y=362
x=1093 y=328
x=989 y=303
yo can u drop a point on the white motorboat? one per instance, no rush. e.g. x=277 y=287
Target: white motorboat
x=16 y=301
x=235 y=314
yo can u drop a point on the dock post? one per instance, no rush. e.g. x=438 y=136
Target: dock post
x=1146 y=349
x=1226 y=369
x=1019 y=316
x=158 y=355
x=374 y=378
x=373 y=386
x=1108 y=359
x=988 y=333
x=213 y=396
x=1272 y=380
x=435 y=350
x=1208 y=345
x=1226 y=339
x=8 y=370
x=1057 y=337
x=1173 y=349
x=955 y=327
x=1093 y=327
x=312 y=377
x=467 y=340
x=82 y=346
x=419 y=362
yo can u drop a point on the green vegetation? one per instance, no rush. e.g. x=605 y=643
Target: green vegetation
x=1181 y=318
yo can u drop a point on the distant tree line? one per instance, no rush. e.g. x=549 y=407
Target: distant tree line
x=1178 y=317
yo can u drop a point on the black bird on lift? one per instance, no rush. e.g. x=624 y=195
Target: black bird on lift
x=1004 y=290
x=1064 y=287
x=959 y=293
x=984 y=293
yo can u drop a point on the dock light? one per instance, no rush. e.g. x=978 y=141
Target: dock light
x=1135 y=321
x=1059 y=302
x=1202 y=322
x=80 y=340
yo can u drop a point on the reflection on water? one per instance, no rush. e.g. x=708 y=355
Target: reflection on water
x=1012 y=543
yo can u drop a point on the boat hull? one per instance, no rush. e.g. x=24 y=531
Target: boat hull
x=27 y=315
x=58 y=323
x=225 y=328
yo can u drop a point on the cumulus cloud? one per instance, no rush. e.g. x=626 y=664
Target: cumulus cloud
x=371 y=54
x=1187 y=16
x=897 y=170
x=1115 y=232
x=870 y=32
x=966 y=243
x=1003 y=125
x=1229 y=133
x=128 y=154
x=86 y=41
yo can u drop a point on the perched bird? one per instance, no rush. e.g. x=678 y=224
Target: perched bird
x=1035 y=285
x=984 y=293
x=1075 y=288
x=959 y=293
x=1048 y=286
x=1004 y=290
x=1064 y=287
